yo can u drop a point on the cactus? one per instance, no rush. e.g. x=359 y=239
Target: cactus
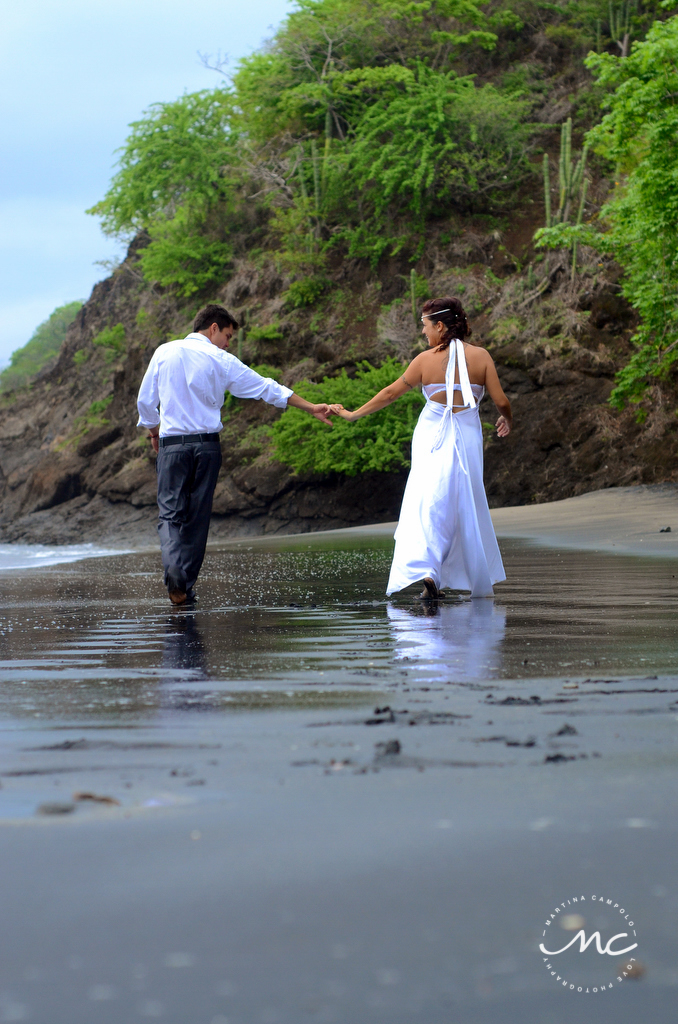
x=316 y=176
x=620 y=24
x=413 y=294
x=328 y=145
x=530 y=277
x=302 y=182
x=573 y=185
x=547 y=190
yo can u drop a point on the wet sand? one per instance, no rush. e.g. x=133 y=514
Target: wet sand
x=320 y=806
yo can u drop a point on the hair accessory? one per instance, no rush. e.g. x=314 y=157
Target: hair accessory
x=436 y=312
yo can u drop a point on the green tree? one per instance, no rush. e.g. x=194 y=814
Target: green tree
x=638 y=227
x=177 y=155
x=176 y=180
x=43 y=346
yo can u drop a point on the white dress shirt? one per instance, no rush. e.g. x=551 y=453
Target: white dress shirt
x=188 y=379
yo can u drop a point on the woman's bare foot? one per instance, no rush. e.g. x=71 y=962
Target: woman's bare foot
x=430 y=591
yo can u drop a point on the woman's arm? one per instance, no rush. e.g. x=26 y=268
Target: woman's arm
x=496 y=393
x=387 y=395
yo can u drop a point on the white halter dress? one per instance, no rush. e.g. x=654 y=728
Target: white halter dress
x=445 y=531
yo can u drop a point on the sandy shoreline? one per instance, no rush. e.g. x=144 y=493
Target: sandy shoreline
x=620 y=520
x=297 y=803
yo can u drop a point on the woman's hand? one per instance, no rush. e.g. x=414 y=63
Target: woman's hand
x=503 y=427
x=344 y=414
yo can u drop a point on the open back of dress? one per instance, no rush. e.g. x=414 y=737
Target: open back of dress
x=445 y=531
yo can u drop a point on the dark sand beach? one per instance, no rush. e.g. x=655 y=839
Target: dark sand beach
x=299 y=802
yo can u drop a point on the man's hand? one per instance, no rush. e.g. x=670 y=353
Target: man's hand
x=321 y=412
x=153 y=438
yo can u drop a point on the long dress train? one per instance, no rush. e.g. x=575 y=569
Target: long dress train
x=445 y=530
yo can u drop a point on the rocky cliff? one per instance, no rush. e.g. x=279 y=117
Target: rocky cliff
x=74 y=467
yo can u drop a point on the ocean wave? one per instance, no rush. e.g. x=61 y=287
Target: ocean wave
x=38 y=556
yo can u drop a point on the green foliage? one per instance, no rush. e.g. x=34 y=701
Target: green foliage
x=181 y=254
x=353 y=116
x=174 y=156
x=94 y=417
x=378 y=442
x=331 y=57
x=267 y=332
x=639 y=225
x=266 y=370
x=80 y=357
x=440 y=143
x=112 y=340
x=43 y=345
x=97 y=409
x=175 y=182
x=305 y=292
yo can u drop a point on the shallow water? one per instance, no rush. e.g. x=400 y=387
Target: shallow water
x=279 y=790
x=99 y=637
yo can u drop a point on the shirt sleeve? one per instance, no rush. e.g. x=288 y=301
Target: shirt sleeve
x=243 y=382
x=148 y=400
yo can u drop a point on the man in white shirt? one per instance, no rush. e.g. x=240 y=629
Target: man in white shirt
x=180 y=402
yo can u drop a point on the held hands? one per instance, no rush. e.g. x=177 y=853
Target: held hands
x=344 y=414
x=503 y=427
x=321 y=412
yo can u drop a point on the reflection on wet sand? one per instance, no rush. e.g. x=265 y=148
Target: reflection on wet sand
x=464 y=639
x=184 y=648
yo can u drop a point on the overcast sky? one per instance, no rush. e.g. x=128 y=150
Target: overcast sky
x=73 y=74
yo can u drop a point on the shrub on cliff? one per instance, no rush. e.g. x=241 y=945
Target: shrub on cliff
x=42 y=346
x=379 y=442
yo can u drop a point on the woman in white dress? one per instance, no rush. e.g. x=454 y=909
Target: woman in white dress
x=445 y=535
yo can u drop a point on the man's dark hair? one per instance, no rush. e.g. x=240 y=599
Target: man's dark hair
x=214 y=314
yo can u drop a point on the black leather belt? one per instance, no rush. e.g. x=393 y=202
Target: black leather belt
x=186 y=439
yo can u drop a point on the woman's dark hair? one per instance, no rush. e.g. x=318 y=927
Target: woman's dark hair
x=214 y=314
x=450 y=312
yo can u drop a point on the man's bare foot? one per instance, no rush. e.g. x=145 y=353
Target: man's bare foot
x=430 y=591
x=176 y=589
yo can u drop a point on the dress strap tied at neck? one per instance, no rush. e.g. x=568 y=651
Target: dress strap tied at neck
x=456 y=357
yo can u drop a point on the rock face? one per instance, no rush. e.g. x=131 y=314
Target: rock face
x=74 y=467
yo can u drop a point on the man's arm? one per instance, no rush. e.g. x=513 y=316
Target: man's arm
x=148 y=402
x=244 y=382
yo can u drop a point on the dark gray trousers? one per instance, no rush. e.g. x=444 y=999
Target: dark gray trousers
x=187 y=476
